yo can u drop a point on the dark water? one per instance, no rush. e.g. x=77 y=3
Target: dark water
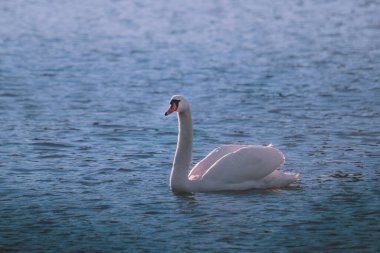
x=86 y=152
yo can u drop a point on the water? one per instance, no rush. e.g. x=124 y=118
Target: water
x=86 y=151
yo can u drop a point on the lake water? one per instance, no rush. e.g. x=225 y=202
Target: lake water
x=86 y=151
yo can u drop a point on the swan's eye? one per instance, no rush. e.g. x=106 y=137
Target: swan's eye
x=173 y=106
x=175 y=101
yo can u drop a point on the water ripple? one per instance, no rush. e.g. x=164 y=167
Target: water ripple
x=87 y=152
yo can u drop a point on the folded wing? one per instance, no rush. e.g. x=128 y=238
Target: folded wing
x=247 y=163
x=204 y=165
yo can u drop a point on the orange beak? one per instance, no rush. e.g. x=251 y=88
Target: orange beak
x=172 y=108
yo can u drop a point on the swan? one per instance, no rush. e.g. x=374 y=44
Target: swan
x=226 y=168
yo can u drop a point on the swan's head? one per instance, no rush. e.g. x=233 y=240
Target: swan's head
x=178 y=103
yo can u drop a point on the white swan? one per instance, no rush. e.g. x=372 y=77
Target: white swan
x=229 y=167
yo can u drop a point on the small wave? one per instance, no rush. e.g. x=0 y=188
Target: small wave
x=52 y=156
x=8 y=94
x=346 y=175
x=51 y=144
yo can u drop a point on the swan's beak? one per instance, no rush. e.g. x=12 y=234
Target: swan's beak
x=172 y=108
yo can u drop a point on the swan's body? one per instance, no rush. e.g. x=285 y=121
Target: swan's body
x=229 y=167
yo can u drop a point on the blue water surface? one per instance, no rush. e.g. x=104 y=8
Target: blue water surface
x=86 y=151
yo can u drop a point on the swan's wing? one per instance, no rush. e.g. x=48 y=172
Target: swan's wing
x=245 y=164
x=201 y=168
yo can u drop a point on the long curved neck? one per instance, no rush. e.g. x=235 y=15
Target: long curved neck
x=179 y=176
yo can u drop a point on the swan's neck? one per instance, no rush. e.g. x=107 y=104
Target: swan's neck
x=179 y=180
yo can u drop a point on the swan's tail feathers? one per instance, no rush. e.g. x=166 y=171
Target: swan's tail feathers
x=280 y=179
x=291 y=176
x=294 y=175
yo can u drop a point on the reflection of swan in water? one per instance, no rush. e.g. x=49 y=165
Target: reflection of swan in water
x=229 y=167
